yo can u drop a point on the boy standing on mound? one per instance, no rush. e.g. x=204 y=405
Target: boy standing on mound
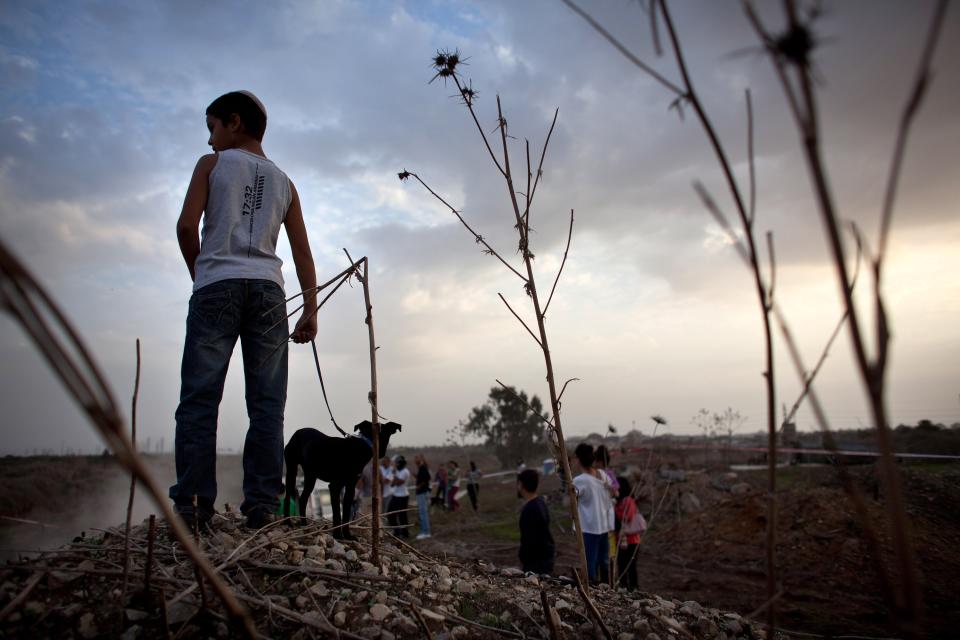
x=243 y=199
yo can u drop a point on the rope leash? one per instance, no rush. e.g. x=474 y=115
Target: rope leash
x=316 y=361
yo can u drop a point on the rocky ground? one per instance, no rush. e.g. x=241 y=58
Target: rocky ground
x=705 y=544
x=298 y=582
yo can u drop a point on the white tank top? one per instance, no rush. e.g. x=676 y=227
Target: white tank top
x=247 y=202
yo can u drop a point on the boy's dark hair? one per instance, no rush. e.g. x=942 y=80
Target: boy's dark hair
x=250 y=113
x=529 y=479
x=602 y=455
x=584 y=453
x=401 y=463
x=624 y=487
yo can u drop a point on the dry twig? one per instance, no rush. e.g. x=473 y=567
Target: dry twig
x=133 y=478
x=84 y=381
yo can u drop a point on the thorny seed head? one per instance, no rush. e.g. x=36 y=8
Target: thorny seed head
x=445 y=63
x=468 y=94
x=795 y=45
x=403 y=175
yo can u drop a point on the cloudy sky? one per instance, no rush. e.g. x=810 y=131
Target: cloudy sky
x=102 y=120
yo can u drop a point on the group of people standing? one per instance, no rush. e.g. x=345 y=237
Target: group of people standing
x=609 y=518
x=394 y=477
x=395 y=495
x=448 y=480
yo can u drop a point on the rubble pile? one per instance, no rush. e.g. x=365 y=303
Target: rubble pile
x=299 y=582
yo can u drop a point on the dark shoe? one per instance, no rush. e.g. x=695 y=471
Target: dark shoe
x=203 y=524
x=258 y=519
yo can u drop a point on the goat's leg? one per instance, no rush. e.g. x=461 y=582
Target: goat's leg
x=309 y=480
x=348 y=508
x=335 y=489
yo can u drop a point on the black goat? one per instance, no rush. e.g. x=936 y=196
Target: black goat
x=337 y=461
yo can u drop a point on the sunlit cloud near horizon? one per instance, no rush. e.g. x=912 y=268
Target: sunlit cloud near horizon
x=102 y=121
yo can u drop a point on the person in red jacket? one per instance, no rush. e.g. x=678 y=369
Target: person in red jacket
x=630 y=524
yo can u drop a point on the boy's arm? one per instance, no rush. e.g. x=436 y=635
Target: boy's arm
x=188 y=226
x=306 y=328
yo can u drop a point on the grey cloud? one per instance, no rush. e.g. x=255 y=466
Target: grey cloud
x=347 y=88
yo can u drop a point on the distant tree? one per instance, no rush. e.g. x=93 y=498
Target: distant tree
x=457 y=435
x=727 y=422
x=507 y=424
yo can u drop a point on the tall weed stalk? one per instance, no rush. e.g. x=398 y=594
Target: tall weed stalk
x=446 y=66
x=790 y=52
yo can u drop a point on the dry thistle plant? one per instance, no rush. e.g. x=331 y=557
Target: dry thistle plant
x=446 y=64
x=686 y=95
x=47 y=326
x=790 y=52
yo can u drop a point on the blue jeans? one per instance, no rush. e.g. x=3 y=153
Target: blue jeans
x=253 y=311
x=597 y=548
x=423 y=510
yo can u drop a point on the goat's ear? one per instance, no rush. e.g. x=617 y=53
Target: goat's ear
x=396 y=426
x=365 y=423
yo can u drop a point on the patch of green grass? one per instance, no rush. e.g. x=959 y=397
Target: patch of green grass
x=505 y=530
x=937 y=468
x=793 y=478
x=466 y=609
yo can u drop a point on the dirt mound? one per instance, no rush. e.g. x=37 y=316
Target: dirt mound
x=299 y=582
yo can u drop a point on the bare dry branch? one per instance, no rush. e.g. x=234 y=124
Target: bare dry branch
x=751 y=212
x=809 y=378
x=525 y=403
x=476 y=236
x=711 y=206
x=543 y=154
x=548 y=614
x=21 y=597
x=920 y=83
x=527 y=195
x=133 y=478
x=486 y=143
x=654 y=29
x=773 y=270
x=532 y=334
x=508 y=177
x=850 y=487
x=872 y=373
x=562 y=262
x=623 y=49
x=521 y=224
x=91 y=392
x=778 y=63
x=560 y=395
x=591 y=608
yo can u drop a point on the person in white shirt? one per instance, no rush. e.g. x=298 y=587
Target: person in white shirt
x=593 y=499
x=400 y=499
